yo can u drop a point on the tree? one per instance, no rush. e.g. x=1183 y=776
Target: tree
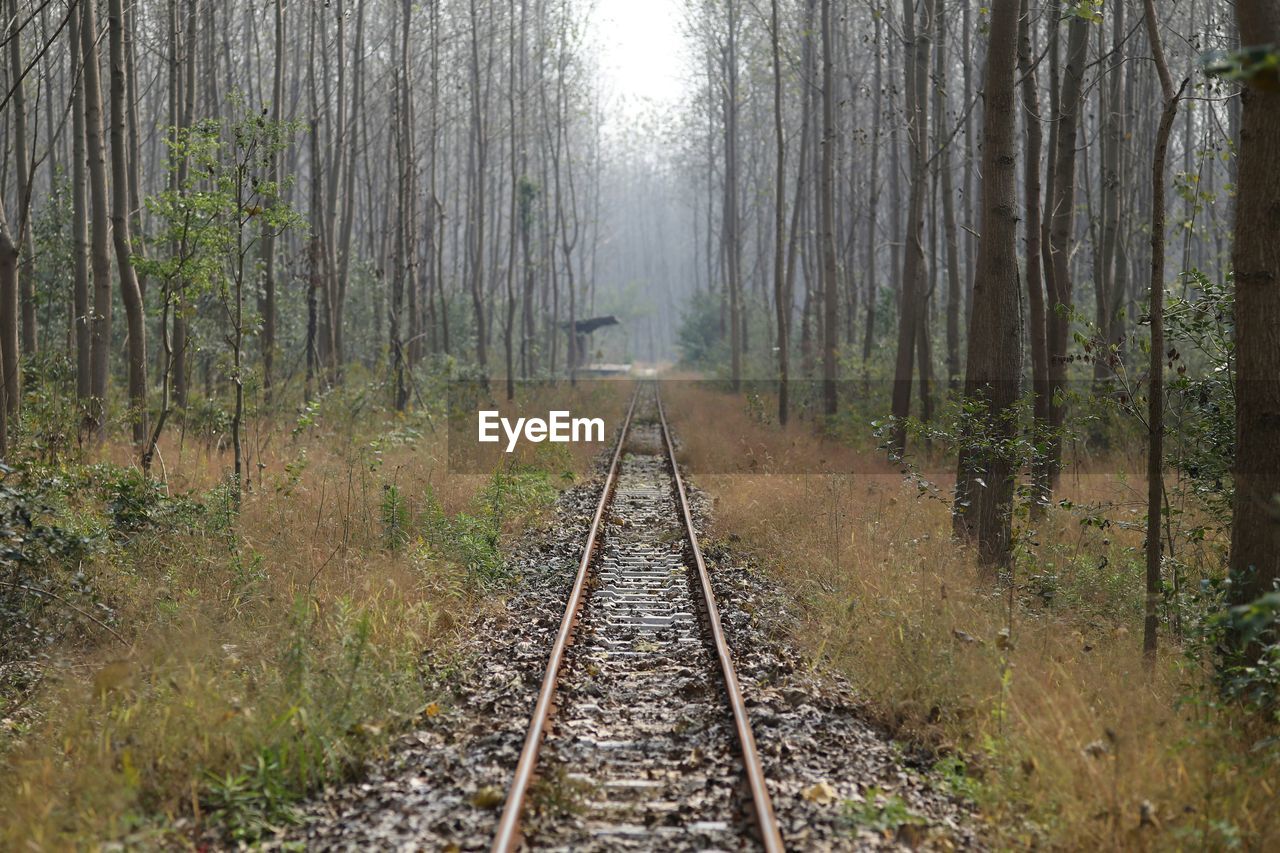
x=1033 y=206
x=1255 y=528
x=911 y=307
x=130 y=291
x=267 y=298
x=217 y=218
x=1155 y=393
x=781 y=296
x=8 y=283
x=732 y=223
x=22 y=159
x=479 y=163
x=1060 y=223
x=79 y=225
x=826 y=191
x=100 y=323
x=986 y=470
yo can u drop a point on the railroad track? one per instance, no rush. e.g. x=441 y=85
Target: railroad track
x=640 y=731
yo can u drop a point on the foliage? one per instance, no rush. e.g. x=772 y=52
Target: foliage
x=472 y=539
x=878 y=811
x=395 y=517
x=1202 y=390
x=699 y=337
x=1251 y=678
x=49 y=427
x=229 y=704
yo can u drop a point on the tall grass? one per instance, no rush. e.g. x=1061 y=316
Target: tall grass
x=257 y=652
x=1035 y=693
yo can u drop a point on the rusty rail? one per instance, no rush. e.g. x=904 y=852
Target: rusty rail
x=508 y=835
x=766 y=821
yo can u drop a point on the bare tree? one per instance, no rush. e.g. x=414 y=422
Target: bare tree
x=100 y=324
x=79 y=222
x=1155 y=393
x=912 y=307
x=826 y=191
x=781 y=295
x=986 y=470
x=130 y=291
x=1255 y=528
x=1060 y=220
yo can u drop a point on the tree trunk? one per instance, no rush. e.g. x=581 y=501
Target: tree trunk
x=1061 y=218
x=1112 y=281
x=1032 y=207
x=10 y=306
x=985 y=475
x=267 y=298
x=732 y=224
x=100 y=324
x=130 y=292
x=872 y=274
x=827 y=203
x=781 y=298
x=911 y=305
x=1255 y=528
x=954 y=289
x=181 y=306
x=508 y=331
x=8 y=283
x=79 y=224
x=480 y=150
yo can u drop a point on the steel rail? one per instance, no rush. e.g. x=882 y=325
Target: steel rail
x=766 y=820
x=507 y=837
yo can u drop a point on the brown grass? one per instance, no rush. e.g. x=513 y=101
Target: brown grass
x=261 y=658
x=1074 y=744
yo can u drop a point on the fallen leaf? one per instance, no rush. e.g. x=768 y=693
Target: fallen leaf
x=488 y=797
x=823 y=794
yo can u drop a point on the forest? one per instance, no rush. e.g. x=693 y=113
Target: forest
x=961 y=320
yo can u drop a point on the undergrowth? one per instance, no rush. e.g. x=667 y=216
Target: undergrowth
x=1030 y=689
x=178 y=665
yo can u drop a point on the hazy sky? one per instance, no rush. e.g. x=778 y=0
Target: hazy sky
x=642 y=52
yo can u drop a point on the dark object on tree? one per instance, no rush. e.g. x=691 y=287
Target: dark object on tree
x=582 y=328
x=586 y=327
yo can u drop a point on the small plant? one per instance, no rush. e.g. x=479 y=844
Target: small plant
x=955 y=775
x=395 y=517
x=252 y=803
x=878 y=812
x=131 y=497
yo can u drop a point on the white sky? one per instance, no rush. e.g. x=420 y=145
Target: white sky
x=641 y=53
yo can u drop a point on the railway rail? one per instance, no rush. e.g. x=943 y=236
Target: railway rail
x=640 y=711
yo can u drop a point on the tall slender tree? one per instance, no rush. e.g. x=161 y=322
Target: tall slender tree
x=100 y=323
x=827 y=202
x=986 y=470
x=781 y=296
x=1255 y=528
x=130 y=291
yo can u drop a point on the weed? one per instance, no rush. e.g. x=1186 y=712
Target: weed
x=252 y=803
x=878 y=812
x=217 y=661
x=1015 y=678
x=395 y=517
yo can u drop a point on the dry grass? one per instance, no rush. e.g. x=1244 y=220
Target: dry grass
x=1043 y=694
x=264 y=653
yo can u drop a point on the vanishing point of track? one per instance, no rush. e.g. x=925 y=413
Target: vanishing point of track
x=649 y=716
